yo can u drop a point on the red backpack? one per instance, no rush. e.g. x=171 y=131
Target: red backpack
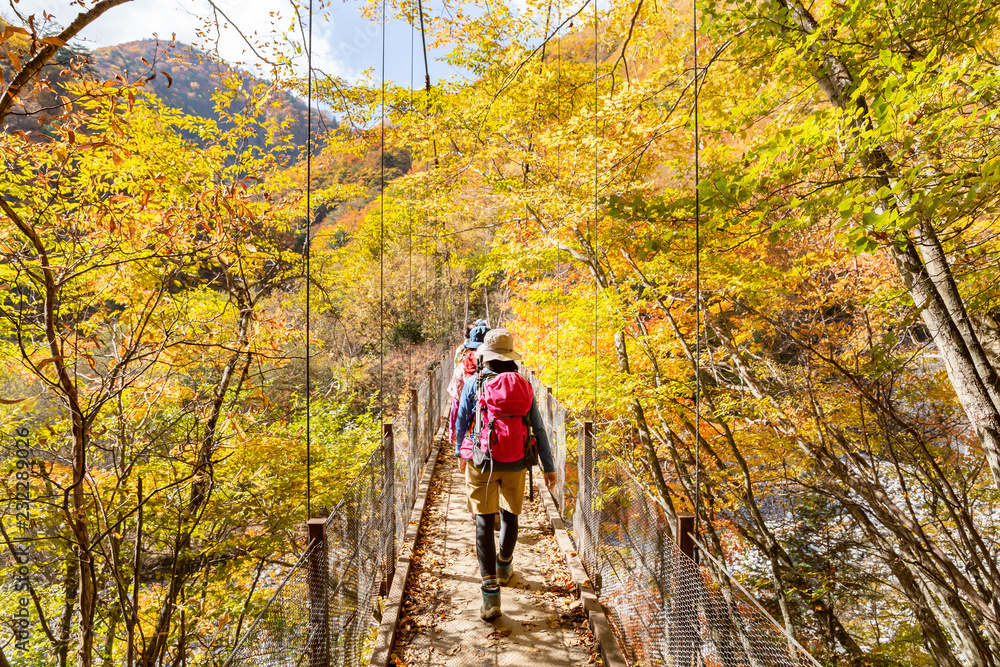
x=469 y=363
x=505 y=436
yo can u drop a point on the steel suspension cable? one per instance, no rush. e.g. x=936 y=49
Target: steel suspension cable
x=427 y=70
x=597 y=257
x=697 y=281
x=381 y=243
x=558 y=171
x=308 y=252
x=409 y=231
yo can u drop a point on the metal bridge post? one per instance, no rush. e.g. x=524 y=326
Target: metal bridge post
x=685 y=531
x=389 y=506
x=432 y=415
x=587 y=526
x=319 y=610
x=553 y=432
x=413 y=428
x=446 y=370
x=437 y=380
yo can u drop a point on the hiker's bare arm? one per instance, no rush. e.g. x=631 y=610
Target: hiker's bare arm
x=550 y=479
x=461 y=464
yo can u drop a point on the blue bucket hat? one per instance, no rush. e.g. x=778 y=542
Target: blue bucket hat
x=481 y=323
x=476 y=337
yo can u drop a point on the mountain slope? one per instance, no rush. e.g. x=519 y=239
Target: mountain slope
x=185 y=79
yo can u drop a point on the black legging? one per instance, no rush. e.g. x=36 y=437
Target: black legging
x=486 y=550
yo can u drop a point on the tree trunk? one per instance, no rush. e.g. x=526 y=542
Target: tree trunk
x=71 y=587
x=952 y=613
x=927 y=276
x=109 y=638
x=958 y=362
x=940 y=274
x=779 y=593
x=935 y=640
x=82 y=550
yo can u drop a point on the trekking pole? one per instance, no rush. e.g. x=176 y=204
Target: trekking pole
x=479 y=393
x=531 y=453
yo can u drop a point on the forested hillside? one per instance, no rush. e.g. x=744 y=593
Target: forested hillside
x=184 y=78
x=181 y=76
x=800 y=340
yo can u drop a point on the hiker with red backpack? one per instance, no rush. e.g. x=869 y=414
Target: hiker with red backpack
x=461 y=349
x=506 y=436
x=465 y=367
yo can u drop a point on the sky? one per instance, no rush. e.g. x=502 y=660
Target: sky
x=345 y=45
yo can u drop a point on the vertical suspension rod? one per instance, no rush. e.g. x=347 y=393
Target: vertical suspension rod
x=597 y=256
x=697 y=279
x=381 y=241
x=308 y=252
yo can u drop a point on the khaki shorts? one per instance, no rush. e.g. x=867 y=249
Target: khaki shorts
x=489 y=491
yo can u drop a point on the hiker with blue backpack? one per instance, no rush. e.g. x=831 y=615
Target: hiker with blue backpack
x=499 y=435
x=461 y=349
x=465 y=367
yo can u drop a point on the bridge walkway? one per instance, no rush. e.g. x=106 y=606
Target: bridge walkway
x=543 y=622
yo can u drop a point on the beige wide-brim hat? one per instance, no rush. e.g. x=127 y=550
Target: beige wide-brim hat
x=498 y=344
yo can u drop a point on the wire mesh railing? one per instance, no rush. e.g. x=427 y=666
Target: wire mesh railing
x=664 y=609
x=359 y=538
x=324 y=610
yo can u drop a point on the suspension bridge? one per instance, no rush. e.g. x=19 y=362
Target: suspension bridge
x=604 y=573
x=390 y=576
